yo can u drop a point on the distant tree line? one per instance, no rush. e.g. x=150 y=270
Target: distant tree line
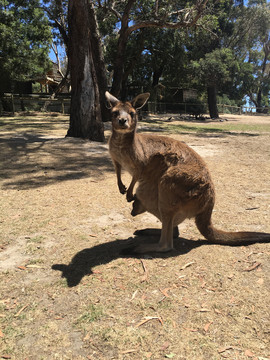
x=220 y=48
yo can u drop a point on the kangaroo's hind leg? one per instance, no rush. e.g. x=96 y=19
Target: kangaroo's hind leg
x=165 y=243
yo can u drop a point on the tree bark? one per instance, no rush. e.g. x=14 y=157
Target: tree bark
x=85 y=112
x=98 y=58
x=121 y=50
x=212 y=102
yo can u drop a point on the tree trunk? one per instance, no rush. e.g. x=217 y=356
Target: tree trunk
x=99 y=62
x=85 y=113
x=156 y=75
x=121 y=49
x=212 y=102
x=259 y=109
x=119 y=64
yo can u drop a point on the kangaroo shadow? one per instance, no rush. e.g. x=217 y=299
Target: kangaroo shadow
x=85 y=260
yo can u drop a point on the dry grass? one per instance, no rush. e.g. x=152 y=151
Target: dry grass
x=67 y=293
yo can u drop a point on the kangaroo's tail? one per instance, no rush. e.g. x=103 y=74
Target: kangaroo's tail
x=215 y=236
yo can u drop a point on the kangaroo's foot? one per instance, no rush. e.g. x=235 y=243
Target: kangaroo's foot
x=130 y=196
x=122 y=188
x=155 y=232
x=146 y=248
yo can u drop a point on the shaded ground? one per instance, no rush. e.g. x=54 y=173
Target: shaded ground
x=67 y=293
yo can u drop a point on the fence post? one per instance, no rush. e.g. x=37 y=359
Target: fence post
x=12 y=104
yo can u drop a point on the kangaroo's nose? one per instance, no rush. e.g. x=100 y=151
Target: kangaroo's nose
x=122 y=121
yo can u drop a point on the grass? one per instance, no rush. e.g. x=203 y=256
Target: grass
x=92 y=313
x=225 y=127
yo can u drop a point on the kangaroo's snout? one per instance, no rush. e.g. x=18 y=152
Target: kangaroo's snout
x=122 y=121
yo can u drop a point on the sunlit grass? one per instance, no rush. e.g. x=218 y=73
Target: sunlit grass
x=219 y=127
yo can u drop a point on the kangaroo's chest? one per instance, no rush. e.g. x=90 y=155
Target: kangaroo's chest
x=125 y=158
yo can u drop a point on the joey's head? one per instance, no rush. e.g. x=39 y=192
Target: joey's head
x=124 y=114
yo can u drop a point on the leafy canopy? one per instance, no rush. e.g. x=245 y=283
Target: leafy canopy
x=25 y=37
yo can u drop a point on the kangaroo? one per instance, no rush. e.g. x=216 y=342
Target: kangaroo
x=174 y=182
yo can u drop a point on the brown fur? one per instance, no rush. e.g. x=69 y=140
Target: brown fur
x=174 y=182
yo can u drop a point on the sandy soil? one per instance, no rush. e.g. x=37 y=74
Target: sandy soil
x=66 y=291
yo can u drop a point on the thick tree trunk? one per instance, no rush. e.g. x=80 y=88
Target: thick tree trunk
x=85 y=113
x=212 y=102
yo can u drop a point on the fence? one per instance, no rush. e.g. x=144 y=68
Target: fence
x=42 y=102
x=199 y=108
x=35 y=102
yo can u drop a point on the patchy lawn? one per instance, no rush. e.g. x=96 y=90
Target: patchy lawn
x=67 y=293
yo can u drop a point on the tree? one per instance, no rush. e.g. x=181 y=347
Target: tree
x=85 y=113
x=25 y=37
x=136 y=15
x=214 y=70
x=234 y=60
x=57 y=11
x=253 y=26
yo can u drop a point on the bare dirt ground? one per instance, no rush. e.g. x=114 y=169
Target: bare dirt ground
x=68 y=293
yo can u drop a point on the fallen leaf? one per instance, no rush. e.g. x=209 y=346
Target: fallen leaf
x=222 y=350
x=1 y=334
x=253 y=267
x=218 y=312
x=148 y=318
x=165 y=292
x=148 y=355
x=21 y=310
x=5 y=356
x=165 y=346
x=87 y=337
x=248 y=353
x=143 y=265
x=187 y=265
x=129 y=351
x=204 y=310
x=170 y=356
x=22 y=267
x=260 y=281
x=35 y=266
x=134 y=294
x=203 y=284
x=206 y=328
x=191 y=330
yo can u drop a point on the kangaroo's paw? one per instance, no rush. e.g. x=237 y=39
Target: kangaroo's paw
x=122 y=188
x=130 y=196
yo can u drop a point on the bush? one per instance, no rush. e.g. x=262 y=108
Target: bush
x=196 y=107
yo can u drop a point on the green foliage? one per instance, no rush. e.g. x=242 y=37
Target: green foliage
x=25 y=37
x=215 y=68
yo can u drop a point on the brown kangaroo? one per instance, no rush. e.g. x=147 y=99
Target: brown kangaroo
x=174 y=182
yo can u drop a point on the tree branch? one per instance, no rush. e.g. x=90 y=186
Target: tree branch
x=200 y=6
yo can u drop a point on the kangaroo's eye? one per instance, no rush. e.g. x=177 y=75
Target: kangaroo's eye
x=115 y=113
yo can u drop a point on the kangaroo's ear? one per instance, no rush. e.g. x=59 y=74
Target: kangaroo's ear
x=140 y=100
x=111 y=99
